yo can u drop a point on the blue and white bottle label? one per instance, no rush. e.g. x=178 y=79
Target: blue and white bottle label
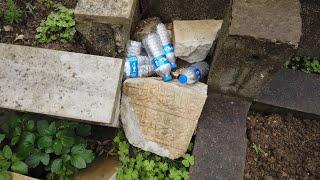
x=134 y=66
x=168 y=49
x=197 y=71
x=159 y=61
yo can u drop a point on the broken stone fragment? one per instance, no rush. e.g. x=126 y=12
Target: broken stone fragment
x=105 y=25
x=194 y=39
x=161 y=117
x=256 y=39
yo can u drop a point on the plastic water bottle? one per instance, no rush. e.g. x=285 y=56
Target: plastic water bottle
x=194 y=73
x=138 y=66
x=159 y=61
x=133 y=48
x=166 y=44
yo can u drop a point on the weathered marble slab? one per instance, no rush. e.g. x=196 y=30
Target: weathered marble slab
x=59 y=83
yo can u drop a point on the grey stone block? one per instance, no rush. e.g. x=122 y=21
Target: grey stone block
x=310 y=40
x=58 y=83
x=105 y=25
x=256 y=39
x=220 y=145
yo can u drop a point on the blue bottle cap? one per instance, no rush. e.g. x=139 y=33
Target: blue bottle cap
x=183 y=79
x=167 y=78
x=174 y=65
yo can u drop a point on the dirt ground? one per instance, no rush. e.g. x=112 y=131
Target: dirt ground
x=282 y=147
x=34 y=13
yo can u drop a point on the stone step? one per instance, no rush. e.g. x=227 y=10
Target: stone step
x=220 y=144
x=58 y=83
x=293 y=90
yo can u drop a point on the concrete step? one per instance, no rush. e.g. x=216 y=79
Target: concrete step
x=58 y=83
x=220 y=144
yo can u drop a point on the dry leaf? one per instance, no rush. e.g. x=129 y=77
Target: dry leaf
x=8 y=28
x=19 y=37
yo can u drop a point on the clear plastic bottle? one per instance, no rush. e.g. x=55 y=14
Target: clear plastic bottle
x=159 y=61
x=194 y=73
x=138 y=66
x=166 y=44
x=133 y=48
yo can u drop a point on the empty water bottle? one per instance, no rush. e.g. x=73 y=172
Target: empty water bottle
x=138 y=66
x=133 y=48
x=194 y=73
x=166 y=44
x=158 y=58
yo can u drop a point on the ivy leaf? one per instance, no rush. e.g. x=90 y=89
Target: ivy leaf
x=7 y=152
x=45 y=142
x=4 y=176
x=2 y=136
x=78 y=162
x=56 y=166
x=19 y=167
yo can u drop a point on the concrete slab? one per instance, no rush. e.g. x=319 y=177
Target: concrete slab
x=59 y=83
x=294 y=90
x=220 y=145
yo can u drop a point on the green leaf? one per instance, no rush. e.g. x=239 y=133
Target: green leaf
x=33 y=160
x=45 y=142
x=4 y=176
x=78 y=162
x=52 y=128
x=42 y=127
x=28 y=138
x=7 y=152
x=24 y=150
x=49 y=150
x=67 y=141
x=188 y=160
x=80 y=150
x=56 y=166
x=19 y=167
x=4 y=165
x=14 y=121
x=45 y=159
x=2 y=136
x=30 y=125
x=57 y=147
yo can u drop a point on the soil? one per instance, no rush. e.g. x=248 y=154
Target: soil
x=290 y=147
x=31 y=20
